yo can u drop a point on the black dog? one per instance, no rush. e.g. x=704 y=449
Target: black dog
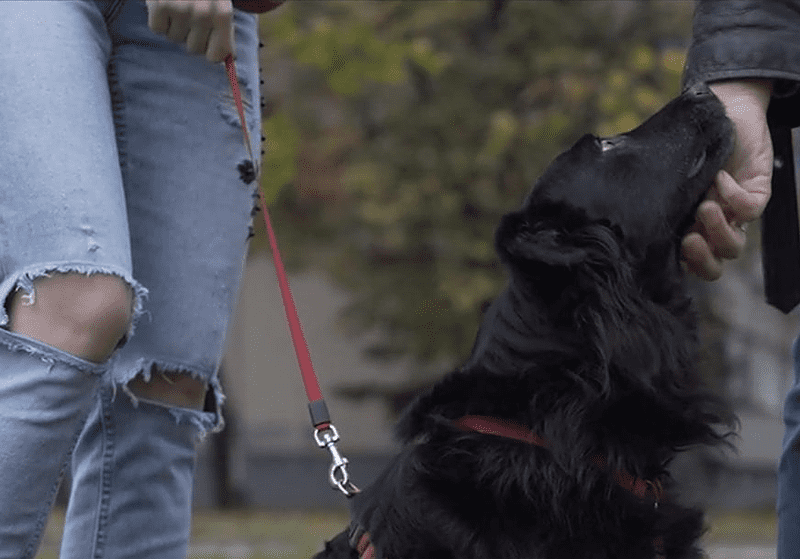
x=554 y=439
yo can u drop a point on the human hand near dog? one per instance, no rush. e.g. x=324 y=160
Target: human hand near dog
x=206 y=26
x=742 y=189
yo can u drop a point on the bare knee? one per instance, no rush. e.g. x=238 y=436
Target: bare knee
x=177 y=389
x=83 y=315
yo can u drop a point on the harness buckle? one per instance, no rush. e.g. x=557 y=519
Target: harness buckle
x=337 y=475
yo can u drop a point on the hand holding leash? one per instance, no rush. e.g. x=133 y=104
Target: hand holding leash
x=206 y=26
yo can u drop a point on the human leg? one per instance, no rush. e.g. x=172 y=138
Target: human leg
x=133 y=465
x=789 y=471
x=48 y=380
x=66 y=288
x=85 y=315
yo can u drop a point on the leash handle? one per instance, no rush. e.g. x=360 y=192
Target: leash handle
x=325 y=434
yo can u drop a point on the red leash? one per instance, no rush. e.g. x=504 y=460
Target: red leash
x=325 y=434
x=642 y=488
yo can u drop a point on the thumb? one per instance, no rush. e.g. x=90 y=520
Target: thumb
x=743 y=202
x=232 y=40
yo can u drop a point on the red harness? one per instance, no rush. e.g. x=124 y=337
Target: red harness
x=642 y=488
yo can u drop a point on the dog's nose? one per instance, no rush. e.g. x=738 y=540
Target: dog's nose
x=699 y=90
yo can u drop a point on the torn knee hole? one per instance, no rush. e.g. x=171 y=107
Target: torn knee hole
x=177 y=389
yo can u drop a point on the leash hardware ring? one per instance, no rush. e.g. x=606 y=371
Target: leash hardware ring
x=337 y=475
x=657 y=489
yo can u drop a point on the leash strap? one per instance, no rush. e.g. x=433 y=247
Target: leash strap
x=230 y=66
x=325 y=434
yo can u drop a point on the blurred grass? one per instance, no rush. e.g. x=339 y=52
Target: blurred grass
x=746 y=526
x=284 y=534
x=292 y=534
x=246 y=534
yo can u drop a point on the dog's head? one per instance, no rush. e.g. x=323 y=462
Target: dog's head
x=595 y=249
x=644 y=185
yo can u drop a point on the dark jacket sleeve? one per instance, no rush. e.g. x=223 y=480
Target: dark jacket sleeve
x=739 y=39
x=735 y=39
x=257 y=6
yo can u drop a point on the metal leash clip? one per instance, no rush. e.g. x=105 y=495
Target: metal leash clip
x=327 y=437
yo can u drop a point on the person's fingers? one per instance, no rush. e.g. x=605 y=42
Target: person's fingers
x=727 y=239
x=157 y=17
x=176 y=15
x=739 y=193
x=198 y=38
x=712 y=240
x=221 y=39
x=742 y=204
x=205 y=26
x=699 y=259
x=178 y=29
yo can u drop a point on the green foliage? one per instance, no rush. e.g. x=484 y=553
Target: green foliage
x=425 y=126
x=281 y=148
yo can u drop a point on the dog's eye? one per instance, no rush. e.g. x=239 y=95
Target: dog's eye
x=608 y=143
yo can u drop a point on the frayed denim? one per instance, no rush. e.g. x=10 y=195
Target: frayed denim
x=45 y=396
x=132 y=479
x=118 y=155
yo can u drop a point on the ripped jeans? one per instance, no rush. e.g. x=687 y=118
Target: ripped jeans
x=788 y=502
x=118 y=155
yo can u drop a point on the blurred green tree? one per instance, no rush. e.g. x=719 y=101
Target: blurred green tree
x=404 y=130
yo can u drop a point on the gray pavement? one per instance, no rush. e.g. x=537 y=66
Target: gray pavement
x=723 y=551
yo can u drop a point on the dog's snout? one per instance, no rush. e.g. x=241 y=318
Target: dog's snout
x=699 y=90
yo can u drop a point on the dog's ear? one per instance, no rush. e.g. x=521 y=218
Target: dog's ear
x=525 y=242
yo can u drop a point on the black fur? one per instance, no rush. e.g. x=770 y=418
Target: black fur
x=593 y=346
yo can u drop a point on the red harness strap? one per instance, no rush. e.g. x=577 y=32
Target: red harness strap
x=487 y=425
x=499 y=427
x=364 y=547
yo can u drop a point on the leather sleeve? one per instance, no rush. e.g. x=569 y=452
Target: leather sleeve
x=735 y=39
